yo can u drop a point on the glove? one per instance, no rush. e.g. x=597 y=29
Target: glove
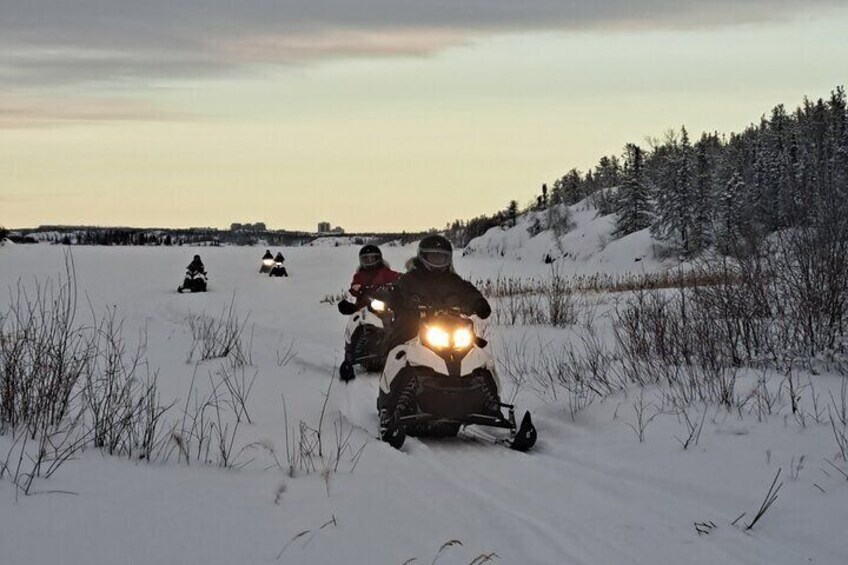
x=346 y=308
x=482 y=308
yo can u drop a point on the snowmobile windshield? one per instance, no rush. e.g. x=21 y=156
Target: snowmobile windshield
x=437 y=259
x=369 y=259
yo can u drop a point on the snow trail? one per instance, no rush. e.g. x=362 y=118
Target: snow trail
x=590 y=493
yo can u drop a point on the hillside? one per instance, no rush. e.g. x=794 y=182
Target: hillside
x=585 y=244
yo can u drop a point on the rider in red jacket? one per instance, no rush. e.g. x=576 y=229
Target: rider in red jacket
x=373 y=273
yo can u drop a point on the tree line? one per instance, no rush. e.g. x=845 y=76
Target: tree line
x=788 y=170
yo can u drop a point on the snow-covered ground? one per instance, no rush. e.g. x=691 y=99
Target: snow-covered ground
x=590 y=493
x=588 y=247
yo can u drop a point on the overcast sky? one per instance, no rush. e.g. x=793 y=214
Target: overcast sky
x=376 y=114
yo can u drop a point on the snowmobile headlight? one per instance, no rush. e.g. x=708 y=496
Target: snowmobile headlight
x=267 y=262
x=437 y=337
x=463 y=338
x=378 y=306
x=278 y=264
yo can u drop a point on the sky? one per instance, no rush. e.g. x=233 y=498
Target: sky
x=383 y=115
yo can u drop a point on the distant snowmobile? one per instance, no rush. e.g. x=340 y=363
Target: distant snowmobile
x=278 y=270
x=364 y=338
x=194 y=282
x=444 y=379
x=267 y=262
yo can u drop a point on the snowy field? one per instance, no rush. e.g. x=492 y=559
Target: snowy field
x=590 y=493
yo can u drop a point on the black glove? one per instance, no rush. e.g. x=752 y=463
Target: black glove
x=482 y=308
x=346 y=308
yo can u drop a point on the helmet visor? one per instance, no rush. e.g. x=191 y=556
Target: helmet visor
x=436 y=258
x=369 y=259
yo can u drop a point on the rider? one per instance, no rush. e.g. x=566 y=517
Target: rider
x=372 y=274
x=279 y=258
x=196 y=267
x=267 y=255
x=430 y=281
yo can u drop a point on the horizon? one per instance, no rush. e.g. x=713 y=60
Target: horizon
x=59 y=227
x=385 y=118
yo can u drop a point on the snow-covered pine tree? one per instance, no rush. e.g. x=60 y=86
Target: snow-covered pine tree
x=675 y=203
x=838 y=139
x=633 y=204
x=730 y=215
x=512 y=212
x=608 y=172
x=701 y=235
x=568 y=189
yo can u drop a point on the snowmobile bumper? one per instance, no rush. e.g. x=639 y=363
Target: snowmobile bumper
x=495 y=421
x=521 y=439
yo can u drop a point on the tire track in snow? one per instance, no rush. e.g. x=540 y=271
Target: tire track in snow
x=595 y=500
x=489 y=490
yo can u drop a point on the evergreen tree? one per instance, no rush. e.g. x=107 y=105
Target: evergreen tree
x=701 y=235
x=608 y=172
x=568 y=189
x=512 y=212
x=632 y=205
x=730 y=215
x=675 y=203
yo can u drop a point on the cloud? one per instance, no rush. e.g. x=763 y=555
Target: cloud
x=29 y=111
x=326 y=44
x=45 y=43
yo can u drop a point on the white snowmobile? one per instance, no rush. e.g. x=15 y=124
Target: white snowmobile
x=267 y=263
x=444 y=379
x=364 y=339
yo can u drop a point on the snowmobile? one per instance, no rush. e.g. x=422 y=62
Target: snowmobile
x=267 y=263
x=278 y=270
x=194 y=282
x=444 y=379
x=364 y=338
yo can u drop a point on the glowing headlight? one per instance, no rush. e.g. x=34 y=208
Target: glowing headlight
x=278 y=264
x=378 y=305
x=462 y=338
x=267 y=262
x=437 y=337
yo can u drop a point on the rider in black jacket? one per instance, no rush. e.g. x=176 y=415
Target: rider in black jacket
x=196 y=267
x=430 y=281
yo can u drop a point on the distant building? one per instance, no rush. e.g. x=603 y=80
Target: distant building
x=324 y=227
x=258 y=226
x=337 y=229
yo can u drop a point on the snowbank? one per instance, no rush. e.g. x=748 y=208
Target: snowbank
x=585 y=246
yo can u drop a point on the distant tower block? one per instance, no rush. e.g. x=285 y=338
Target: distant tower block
x=324 y=227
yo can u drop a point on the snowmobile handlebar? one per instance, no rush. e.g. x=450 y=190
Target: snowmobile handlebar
x=433 y=309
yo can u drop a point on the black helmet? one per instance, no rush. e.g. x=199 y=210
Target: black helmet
x=197 y=257
x=435 y=253
x=370 y=256
x=267 y=254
